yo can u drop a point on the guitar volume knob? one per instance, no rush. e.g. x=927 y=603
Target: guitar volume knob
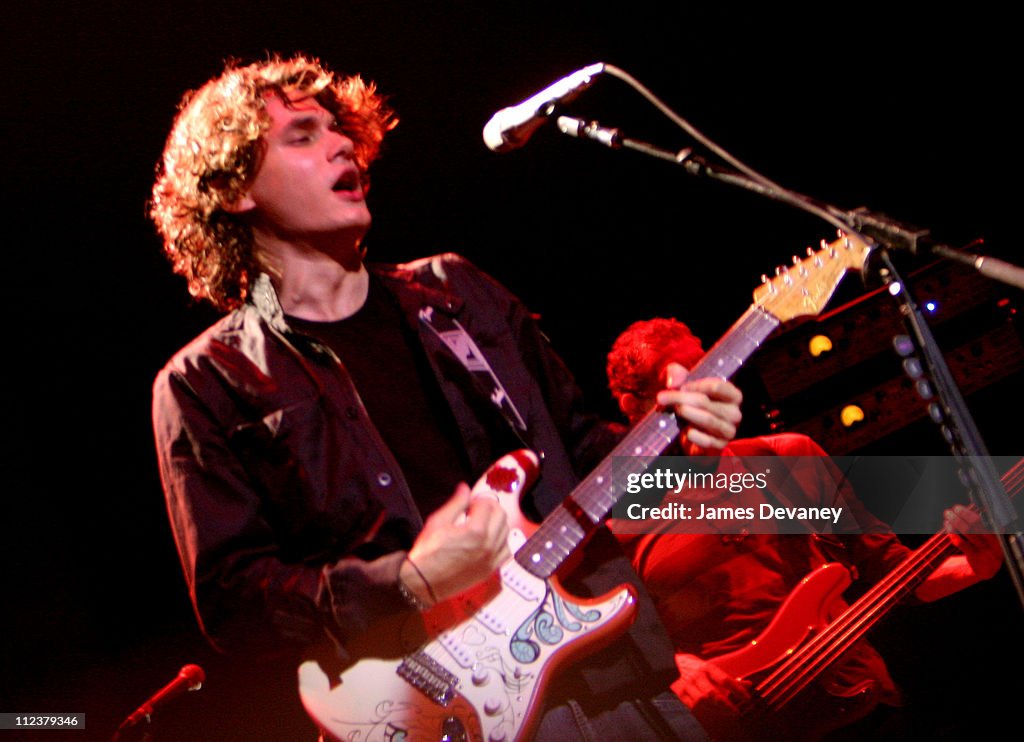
x=479 y=676
x=492 y=706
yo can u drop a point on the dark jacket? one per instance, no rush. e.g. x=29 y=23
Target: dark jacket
x=291 y=515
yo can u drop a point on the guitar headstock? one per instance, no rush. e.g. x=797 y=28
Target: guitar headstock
x=804 y=288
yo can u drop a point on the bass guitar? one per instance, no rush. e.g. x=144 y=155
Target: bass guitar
x=480 y=671
x=809 y=635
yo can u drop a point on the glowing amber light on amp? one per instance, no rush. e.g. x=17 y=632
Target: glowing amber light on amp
x=851 y=415
x=819 y=344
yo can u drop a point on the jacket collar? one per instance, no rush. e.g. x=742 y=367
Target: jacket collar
x=263 y=297
x=411 y=294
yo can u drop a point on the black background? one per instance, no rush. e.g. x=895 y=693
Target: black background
x=906 y=112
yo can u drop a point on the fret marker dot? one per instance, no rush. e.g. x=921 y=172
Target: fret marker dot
x=638 y=450
x=535 y=558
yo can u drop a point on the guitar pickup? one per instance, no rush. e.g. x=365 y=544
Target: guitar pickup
x=492 y=621
x=456 y=648
x=522 y=582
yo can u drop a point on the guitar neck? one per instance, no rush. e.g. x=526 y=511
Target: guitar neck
x=592 y=500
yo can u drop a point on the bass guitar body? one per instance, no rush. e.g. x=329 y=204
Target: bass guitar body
x=799 y=697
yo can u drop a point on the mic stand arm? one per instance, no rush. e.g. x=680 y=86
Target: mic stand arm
x=690 y=162
x=874 y=227
x=977 y=472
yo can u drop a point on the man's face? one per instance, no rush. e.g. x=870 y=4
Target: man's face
x=636 y=405
x=307 y=186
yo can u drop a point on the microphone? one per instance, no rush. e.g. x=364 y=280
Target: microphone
x=510 y=127
x=190 y=677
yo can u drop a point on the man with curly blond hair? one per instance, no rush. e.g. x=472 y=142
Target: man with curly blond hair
x=215 y=150
x=315 y=443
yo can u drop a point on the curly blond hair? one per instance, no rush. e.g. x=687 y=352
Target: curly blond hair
x=214 y=150
x=642 y=351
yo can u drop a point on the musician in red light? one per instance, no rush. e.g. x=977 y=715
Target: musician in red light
x=717 y=592
x=314 y=444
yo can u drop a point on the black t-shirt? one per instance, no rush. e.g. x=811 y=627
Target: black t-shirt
x=400 y=392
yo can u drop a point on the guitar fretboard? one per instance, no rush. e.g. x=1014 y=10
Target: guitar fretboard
x=566 y=527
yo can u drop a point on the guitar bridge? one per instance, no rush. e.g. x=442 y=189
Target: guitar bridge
x=429 y=676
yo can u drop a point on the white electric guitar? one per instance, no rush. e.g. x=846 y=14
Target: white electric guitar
x=480 y=673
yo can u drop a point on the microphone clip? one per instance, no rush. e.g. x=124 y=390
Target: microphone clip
x=580 y=129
